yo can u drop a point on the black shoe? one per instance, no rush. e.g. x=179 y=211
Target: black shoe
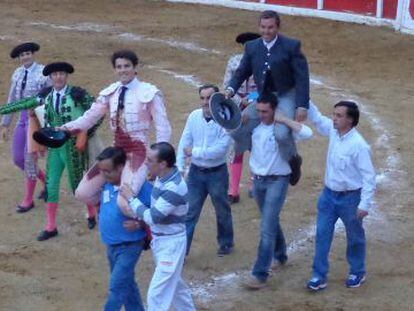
x=224 y=250
x=295 y=163
x=42 y=195
x=91 y=222
x=23 y=209
x=46 y=235
x=233 y=199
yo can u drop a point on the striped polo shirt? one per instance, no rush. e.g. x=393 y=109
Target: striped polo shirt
x=169 y=205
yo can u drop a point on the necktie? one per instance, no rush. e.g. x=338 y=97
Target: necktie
x=24 y=81
x=121 y=98
x=57 y=102
x=121 y=105
x=208 y=119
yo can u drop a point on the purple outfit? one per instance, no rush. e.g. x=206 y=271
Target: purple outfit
x=25 y=82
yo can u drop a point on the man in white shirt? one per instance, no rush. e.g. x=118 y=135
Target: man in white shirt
x=271 y=173
x=207 y=144
x=348 y=193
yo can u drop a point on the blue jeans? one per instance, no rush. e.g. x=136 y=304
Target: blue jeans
x=216 y=184
x=270 y=196
x=331 y=206
x=123 y=290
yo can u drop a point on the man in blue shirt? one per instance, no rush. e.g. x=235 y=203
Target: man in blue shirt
x=124 y=246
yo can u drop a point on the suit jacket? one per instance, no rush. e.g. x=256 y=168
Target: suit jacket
x=286 y=62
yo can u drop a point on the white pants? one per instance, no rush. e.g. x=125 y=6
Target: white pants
x=167 y=289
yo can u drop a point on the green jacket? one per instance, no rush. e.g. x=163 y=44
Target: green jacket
x=73 y=105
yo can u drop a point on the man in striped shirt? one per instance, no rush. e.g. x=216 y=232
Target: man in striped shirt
x=166 y=217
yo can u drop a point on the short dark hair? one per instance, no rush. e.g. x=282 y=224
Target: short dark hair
x=208 y=86
x=270 y=14
x=127 y=54
x=116 y=154
x=268 y=98
x=352 y=110
x=166 y=153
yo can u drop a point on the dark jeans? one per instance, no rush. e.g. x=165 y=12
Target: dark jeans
x=216 y=184
x=331 y=206
x=123 y=290
x=270 y=196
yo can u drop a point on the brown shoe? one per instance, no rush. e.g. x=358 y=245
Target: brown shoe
x=295 y=163
x=253 y=283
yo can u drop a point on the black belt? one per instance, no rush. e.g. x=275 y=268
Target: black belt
x=208 y=169
x=128 y=243
x=269 y=177
x=344 y=192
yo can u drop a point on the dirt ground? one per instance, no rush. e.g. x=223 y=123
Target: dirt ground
x=373 y=65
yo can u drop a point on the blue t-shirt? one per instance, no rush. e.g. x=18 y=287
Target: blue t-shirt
x=111 y=218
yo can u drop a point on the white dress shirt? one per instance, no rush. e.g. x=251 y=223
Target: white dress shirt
x=348 y=164
x=270 y=44
x=62 y=93
x=265 y=158
x=210 y=142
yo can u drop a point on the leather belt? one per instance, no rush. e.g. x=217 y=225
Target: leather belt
x=343 y=192
x=269 y=177
x=208 y=169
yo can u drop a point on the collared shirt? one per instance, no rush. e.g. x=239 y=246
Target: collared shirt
x=169 y=205
x=31 y=67
x=131 y=85
x=34 y=83
x=111 y=218
x=270 y=44
x=210 y=142
x=61 y=93
x=348 y=164
x=265 y=158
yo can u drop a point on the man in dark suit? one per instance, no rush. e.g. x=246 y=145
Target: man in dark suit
x=283 y=58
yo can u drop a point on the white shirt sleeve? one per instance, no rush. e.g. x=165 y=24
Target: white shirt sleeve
x=186 y=140
x=323 y=124
x=304 y=133
x=217 y=151
x=367 y=170
x=159 y=115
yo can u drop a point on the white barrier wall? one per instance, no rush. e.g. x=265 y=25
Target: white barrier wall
x=398 y=14
x=407 y=16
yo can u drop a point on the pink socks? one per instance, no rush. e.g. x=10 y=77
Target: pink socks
x=236 y=169
x=51 y=212
x=30 y=186
x=91 y=210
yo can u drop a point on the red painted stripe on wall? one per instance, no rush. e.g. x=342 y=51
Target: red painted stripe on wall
x=366 y=7
x=296 y=3
x=390 y=9
x=412 y=9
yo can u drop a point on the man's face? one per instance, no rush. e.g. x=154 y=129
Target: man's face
x=266 y=113
x=204 y=101
x=26 y=58
x=125 y=70
x=341 y=120
x=59 y=79
x=111 y=174
x=268 y=28
x=154 y=166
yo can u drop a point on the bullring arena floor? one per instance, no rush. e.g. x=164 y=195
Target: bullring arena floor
x=179 y=46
